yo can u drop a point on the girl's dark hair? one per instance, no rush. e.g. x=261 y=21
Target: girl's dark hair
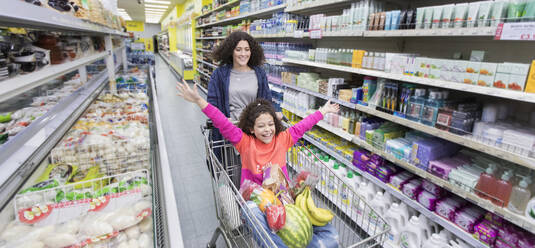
x=223 y=52
x=255 y=109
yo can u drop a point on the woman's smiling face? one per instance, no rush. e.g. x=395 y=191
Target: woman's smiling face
x=241 y=54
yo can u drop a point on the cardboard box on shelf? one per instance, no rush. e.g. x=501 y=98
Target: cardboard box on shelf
x=485 y=80
x=501 y=80
x=473 y=67
x=488 y=69
x=470 y=78
x=516 y=82
x=530 y=84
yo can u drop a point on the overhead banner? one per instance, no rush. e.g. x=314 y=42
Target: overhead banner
x=135 y=26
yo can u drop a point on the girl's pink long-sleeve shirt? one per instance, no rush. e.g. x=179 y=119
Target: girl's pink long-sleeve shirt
x=254 y=153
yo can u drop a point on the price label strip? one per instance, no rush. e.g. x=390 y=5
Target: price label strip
x=515 y=31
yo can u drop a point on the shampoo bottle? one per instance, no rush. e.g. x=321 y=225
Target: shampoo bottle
x=503 y=190
x=487 y=182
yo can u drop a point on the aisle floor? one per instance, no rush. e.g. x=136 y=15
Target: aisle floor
x=181 y=123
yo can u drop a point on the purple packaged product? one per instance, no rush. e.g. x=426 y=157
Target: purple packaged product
x=412 y=188
x=361 y=158
x=526 y=241
x=428 y=200
x=385 y=172
x=442 y=167
x=432 y=188
x=509 y=234
x=494 y=219
x=501 y=244
x=466 y=220
x=446 y=207
x=374 y=163
x=400 y=179
x=431 y=149
x=486 y=232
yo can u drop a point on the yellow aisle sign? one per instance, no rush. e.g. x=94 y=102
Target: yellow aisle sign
x=149 y=45
x=135 y=26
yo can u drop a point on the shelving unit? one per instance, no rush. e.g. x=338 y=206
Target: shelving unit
x=211 y=38
x=17 y=14
x=454 y=229
x=204 y=74
x=19 y=84
x=316 y=5
x=224 y=6
x=485 y=204
x=206 y=63
x=203 y=50
x=259 y=13
x=502 y=93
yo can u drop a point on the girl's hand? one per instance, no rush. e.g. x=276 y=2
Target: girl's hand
x=329 y=108
x=189 y=94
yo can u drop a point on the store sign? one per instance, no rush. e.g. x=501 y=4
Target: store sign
x=135 y=26
x=515 y=31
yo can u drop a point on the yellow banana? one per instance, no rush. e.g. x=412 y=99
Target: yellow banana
x=303 y=206
x=320 y=214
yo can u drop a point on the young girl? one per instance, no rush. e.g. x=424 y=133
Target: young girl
x=260 y=138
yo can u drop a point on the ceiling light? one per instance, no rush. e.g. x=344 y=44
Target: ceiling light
x=156 y=10
x=156 y=6
x=157 y=1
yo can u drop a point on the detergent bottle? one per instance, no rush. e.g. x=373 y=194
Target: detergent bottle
x=397 y=217
x=436 y=241
x=414 y=233
x=379 y=204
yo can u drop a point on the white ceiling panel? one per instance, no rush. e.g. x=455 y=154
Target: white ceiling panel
x=136 y=8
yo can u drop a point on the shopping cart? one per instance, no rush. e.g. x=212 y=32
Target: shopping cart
x=358 y=225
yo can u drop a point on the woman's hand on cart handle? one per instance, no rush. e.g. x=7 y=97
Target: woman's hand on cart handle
x=190 y=95
x=329 y=108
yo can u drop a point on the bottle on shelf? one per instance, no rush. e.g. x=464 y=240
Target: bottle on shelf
x=520 y=196
x=503 y=191
x=397 y=217
x=414 y=233
x=485 y=187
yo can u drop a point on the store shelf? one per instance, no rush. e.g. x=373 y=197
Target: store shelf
x=454 y=229
x=516 y=219
x=203 y=50
x=259 y=13
x=229 y=4
x=211 y=38
x=116 y=49
x=316 y=5
x=204 y=74
x=206 y=63
x=502 y=93
x=19 y=84
x=461 y=140
x=22 y=14
x=316 y=94
x=486 y=32
x=33 y=143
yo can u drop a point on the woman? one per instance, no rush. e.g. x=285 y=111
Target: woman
x=240 y=79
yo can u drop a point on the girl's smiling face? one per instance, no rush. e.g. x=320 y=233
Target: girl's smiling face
x=242 y=53
x=264 y=128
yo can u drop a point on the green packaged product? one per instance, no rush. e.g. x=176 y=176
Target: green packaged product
x=3 y=138
x=85 y=175
x=5 y=117
x=48 y=184
x=61 y=172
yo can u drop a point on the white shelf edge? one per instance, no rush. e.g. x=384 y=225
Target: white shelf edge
x=203 y=50
x=301 y=7
x=236 y=18
x=22 y=83
x=399 y=195
x=502 y=93
x=16 y=12
x=211 y=38
x=487 y=205
x=206 y=63
x=201 y=72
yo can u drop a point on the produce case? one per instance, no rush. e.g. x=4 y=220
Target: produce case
x=108 y=189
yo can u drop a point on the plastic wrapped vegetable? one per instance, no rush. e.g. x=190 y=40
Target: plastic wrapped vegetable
x=276 y=217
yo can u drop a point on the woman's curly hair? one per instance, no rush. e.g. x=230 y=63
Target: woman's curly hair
x=223 y=52
x=252 y=111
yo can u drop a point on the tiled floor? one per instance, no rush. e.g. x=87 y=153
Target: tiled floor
x=181 y=123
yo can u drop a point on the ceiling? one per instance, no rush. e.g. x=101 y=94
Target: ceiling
x=137 y=11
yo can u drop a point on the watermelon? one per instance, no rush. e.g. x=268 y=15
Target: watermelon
x=297 y=232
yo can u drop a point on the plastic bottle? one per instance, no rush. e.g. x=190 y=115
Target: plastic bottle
x=397 y=216
x=503 y=190
x=520 y=196
x=367 y=189
x=352 y=121
x=487 y=182
x=414 y=234
x=436 y=241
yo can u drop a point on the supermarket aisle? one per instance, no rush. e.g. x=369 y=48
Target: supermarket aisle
x=181 y=122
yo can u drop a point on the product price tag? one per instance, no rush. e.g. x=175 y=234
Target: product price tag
x=298 y=34
x=515 y=31
x=315 y=34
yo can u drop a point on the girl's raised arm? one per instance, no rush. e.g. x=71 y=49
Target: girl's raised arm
x=298 y=130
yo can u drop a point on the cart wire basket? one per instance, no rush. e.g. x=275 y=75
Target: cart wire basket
x=357 y=224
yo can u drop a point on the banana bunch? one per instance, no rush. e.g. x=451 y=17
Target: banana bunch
x=317 y=216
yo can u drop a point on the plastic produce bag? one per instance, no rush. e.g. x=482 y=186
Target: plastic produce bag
x=261 y=232
x=274 y=180
x=303 y=179
x=276 y=217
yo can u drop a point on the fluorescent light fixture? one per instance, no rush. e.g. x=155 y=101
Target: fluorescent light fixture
x=154 y=11
x=157 y=1
x=157 y=10
x=156 y=6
